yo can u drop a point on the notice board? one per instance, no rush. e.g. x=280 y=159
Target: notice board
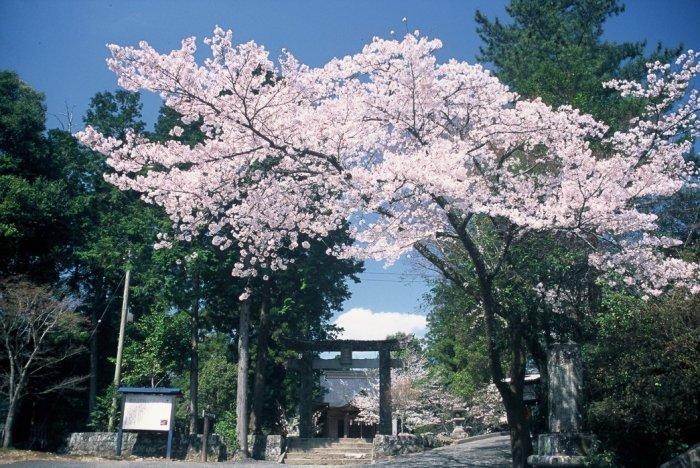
x=147 y=412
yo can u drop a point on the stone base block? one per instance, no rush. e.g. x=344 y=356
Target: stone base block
x=556 y=460
x=386 y=446
x=143 y=444
x=566 y=443
x=689 y=459
x=266 y=447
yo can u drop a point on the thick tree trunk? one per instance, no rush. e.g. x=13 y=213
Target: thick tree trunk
x=511 y=393
x=260 y=365
x=520 y=443
x=516 y=411
x=194 y=356
x=242 y=389
x=15 y=394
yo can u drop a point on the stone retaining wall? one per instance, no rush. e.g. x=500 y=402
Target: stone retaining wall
x=143 y=444
x=266 y=447
x=392 y=445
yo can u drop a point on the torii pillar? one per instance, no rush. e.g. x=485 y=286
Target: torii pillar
x=384 y=391
x=306 y=389
x=307 y=364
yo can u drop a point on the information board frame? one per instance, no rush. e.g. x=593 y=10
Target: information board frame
x=141 y=397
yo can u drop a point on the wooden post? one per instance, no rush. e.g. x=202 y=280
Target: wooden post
x=384 y=391
x=169 y=448
x=306 y=375
x=120 y=434
x=120 y=349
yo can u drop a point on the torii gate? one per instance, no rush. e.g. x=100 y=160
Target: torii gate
x=307 y=364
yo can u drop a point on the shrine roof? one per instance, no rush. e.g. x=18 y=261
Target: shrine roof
x=337 y=345
x=342 y=386
x=150 y=390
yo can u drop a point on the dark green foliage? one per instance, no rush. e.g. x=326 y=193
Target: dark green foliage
x=455 y=338
x=99 y=417
x=112 y=114
x=153 y=355
x=225 y=426
x=168 y=119
x=553 y=49
x=23 y=150
x=35 y=228
x=643 y=370
x=217 y=374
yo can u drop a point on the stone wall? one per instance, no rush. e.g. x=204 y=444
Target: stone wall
x=689 y=459
x=266 y=447
x=391 y=445
x=143 y=444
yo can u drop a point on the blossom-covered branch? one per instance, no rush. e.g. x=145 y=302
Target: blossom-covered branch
x=408 y=150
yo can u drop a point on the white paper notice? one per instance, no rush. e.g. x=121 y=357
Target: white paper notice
x=147 y=412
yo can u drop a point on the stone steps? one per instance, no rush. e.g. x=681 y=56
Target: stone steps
x=328 y=452
x=322 y=441
x=333 y=453
x=322 y=461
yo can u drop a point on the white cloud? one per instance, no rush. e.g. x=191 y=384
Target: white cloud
x=364 y=324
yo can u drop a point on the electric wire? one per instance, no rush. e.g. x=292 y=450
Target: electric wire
x=109 y=303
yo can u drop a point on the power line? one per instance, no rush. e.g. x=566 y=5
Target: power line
x=109 y=303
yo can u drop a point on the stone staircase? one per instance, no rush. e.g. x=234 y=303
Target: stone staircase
x=328 y=451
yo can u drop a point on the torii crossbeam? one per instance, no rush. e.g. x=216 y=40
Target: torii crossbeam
x=307 y=364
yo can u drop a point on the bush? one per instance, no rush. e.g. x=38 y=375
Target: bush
x=99 y=418
x=643 y=368
x=225 y=427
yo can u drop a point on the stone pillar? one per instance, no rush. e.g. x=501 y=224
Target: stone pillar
x=346 y=358
x=565 y=445
x=565 y=380
x=384 y=391
x=306 y=387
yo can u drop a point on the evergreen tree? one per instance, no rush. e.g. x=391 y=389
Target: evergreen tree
x=35 y=227
x=555 y=50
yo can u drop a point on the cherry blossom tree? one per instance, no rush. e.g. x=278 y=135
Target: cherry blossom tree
x=419 y=156
x=485 y=412
x=416 y=399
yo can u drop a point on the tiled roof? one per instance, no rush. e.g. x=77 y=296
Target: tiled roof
x=342 y=386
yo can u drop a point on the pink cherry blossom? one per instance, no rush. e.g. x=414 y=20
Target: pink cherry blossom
x=404 y=147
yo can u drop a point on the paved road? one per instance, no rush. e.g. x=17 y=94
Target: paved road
x=492 y=452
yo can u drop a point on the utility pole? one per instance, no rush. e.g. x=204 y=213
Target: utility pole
x=120 y=348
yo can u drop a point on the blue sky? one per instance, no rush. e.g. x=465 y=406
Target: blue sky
x=58 y=47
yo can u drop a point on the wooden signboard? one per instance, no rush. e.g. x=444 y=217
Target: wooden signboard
x=147 y=412
x=148 y=409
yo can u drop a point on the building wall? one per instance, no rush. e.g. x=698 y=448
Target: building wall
x=339 y=423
